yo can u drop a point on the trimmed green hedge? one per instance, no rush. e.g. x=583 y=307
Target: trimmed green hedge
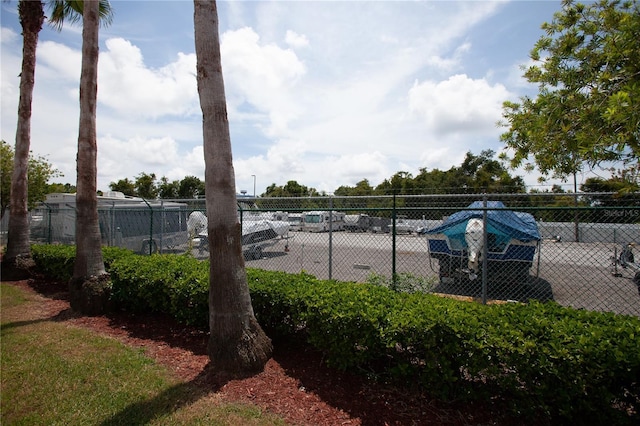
x=541 y=360
x=169 y=284
x=56 y=261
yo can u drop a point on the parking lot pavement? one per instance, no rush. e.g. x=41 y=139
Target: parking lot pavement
x=572 y=274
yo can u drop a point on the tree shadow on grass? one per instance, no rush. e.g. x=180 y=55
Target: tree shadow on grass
x=168 y=401
x=8 y=327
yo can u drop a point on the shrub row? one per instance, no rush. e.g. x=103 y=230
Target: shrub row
x=168 y=284
x=541 y=360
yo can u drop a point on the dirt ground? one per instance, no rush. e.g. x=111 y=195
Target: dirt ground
x=295 y=383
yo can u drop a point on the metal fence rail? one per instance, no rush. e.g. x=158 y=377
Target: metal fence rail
x=582 y=257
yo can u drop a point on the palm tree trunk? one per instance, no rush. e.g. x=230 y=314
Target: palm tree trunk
x=89 y=285
x=237 y=344
x=31 y=18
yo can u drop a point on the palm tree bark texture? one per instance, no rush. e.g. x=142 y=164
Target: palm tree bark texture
x=237 y=344
x=89 y=286
x=32 y=17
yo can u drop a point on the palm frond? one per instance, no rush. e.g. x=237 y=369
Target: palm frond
x=70 y=11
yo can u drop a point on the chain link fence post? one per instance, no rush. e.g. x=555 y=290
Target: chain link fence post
x=394 y=217
x=485 y=249
x=330 y=237
x=149 y=244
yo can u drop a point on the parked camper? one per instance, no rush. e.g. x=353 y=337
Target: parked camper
x=295 y=221
x=380 y=224
x=357 y=222
x=128 y=222
x=322 y=221
x=247 y=210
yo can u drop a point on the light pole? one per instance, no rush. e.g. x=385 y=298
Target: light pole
x=254 y=186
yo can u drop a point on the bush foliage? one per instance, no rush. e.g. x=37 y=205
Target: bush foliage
x=540 y=359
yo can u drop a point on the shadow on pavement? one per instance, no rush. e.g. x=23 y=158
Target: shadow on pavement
x=522 y=291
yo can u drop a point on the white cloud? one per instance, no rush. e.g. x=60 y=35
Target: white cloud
x=51 y=66
x=458 y=105
x=261 y=75
x=296 y=40
x=8 y=36
x=117 y=158
x=439 y=157
x=281 y=160
x=359 y=166
x=290 y=161
x=191 y=164
x=125 y=83
x=131 y=88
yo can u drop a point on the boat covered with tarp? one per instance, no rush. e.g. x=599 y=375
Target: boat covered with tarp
x=458 y=243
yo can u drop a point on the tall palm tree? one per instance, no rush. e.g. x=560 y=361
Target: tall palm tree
x=88 y=289
x=31 y=14
x=237 y=345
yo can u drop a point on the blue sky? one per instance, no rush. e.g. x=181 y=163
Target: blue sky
x=326 y=93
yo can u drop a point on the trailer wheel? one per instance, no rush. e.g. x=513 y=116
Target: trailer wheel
x=445 y=273
x=149 y=247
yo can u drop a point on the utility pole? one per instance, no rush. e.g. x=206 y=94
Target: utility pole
x=254 y=186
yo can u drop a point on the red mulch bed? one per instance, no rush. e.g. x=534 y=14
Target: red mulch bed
x=295 y=384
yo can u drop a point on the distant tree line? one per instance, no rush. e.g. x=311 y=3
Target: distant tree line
x=478 y=174
x=146 y=185
x=39 y=172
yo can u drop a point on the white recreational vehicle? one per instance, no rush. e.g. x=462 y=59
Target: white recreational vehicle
x=128 y=222
x=295 y=221
x=322 y=221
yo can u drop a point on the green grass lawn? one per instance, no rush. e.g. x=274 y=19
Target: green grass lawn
x=55 y=374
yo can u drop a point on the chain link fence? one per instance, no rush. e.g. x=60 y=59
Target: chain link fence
x=575 y=249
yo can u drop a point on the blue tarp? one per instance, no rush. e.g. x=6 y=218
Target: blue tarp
x=504 y=224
